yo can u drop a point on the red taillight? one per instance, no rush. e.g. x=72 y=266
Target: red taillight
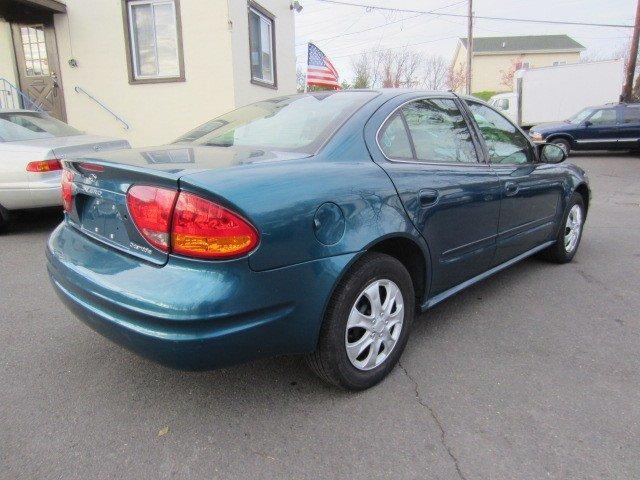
x=189 y=225
x=67 y=190
x=150 y=209
x=204 y=229
x=42 y=166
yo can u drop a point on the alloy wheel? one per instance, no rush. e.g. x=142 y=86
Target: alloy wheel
x=572 y=228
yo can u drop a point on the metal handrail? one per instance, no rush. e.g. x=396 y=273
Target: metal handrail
x=9 y=91
x=79 y=89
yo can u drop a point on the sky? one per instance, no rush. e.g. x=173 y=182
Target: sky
x=343 y=32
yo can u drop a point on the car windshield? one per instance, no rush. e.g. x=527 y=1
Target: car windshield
x=581 y=116
x=20 y=126
x=299 y=123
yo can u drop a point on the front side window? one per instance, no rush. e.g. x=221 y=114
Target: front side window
x=261 y=46
x=22 y=126
x=439 y=132
x=154 y=40
x=581 y=116
x=298 y=123
x=604 y=117
x=504 y=141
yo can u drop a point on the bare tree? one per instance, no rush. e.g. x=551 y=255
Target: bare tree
x=457 y=78
x=435 y=72
x=507 y=76
x=363 y=71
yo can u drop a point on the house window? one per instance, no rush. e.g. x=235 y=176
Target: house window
x=526 y=65
x=557 y=64
x=35 y=50
x=154 y=41
x=262 y=46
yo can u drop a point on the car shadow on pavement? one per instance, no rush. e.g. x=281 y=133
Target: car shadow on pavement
x=33 y=221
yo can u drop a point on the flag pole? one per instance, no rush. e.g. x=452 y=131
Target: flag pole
x=306 y=72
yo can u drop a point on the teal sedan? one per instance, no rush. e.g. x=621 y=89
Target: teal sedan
x=317 y=224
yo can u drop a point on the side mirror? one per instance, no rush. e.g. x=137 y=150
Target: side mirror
x=587 y=123
x=552 y=153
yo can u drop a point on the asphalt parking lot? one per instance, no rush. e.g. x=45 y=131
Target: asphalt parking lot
x=533 y=374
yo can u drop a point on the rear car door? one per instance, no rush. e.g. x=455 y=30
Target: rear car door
x=427 y=148
x=629 y=136
x=600 y=131
x=530 y=191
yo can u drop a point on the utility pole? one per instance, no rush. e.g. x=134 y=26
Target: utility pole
x=633 y=56
x=470 y=45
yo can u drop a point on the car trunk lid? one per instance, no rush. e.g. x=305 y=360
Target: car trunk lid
x=101 y=181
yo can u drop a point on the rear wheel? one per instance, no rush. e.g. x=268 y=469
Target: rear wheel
x=563 y=144
x=570 y=234
x=366 y=325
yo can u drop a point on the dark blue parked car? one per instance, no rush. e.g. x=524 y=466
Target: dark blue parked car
x=609 y=127
x=315 y=224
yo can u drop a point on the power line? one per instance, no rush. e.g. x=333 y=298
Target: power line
x=460 y=15
x=398 y=46
x=388 y=23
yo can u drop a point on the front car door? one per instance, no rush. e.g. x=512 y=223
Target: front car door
x=37 y=63
x=599 y=131
x=530 y=191
x=427 y=148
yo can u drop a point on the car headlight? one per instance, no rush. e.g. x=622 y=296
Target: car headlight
x=535 y=136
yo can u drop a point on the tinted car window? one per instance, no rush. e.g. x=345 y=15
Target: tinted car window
x=504 y=141
x=631 y=115
x=439 y=131
x=394 y=140
x=605 y=116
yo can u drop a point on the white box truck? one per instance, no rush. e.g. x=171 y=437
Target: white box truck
x=552 y=94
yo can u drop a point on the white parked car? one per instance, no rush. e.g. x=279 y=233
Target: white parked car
x=31 y=147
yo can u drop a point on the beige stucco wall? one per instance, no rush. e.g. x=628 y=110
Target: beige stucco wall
x=7 y=57
x=487 y=69
x=93 y=34
x=245 y=91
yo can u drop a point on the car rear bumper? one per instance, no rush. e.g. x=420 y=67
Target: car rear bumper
x=191 y=314
x=41 y=190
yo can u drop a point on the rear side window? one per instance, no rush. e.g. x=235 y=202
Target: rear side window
x=632 y=115
x=439 y=131
x=504 y=141
x=394 y=140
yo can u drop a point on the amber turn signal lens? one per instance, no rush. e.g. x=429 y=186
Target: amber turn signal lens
x=203 y=229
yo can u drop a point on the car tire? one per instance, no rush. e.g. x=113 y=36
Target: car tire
x=3 y=220
x=563 y=144
x=568 y=240
x=351 y=325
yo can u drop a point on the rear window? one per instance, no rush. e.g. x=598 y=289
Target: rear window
x=20 y=126
x=299 y=123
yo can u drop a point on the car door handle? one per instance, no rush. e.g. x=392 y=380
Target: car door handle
x=511 y=188
x=427 y=197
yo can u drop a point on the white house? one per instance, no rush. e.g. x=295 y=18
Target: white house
x=145 y=70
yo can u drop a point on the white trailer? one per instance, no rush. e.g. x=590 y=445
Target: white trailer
x=552 y=94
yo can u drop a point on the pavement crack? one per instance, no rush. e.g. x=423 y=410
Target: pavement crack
x=443 y=434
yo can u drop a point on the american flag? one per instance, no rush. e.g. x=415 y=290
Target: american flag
x=320 y=70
